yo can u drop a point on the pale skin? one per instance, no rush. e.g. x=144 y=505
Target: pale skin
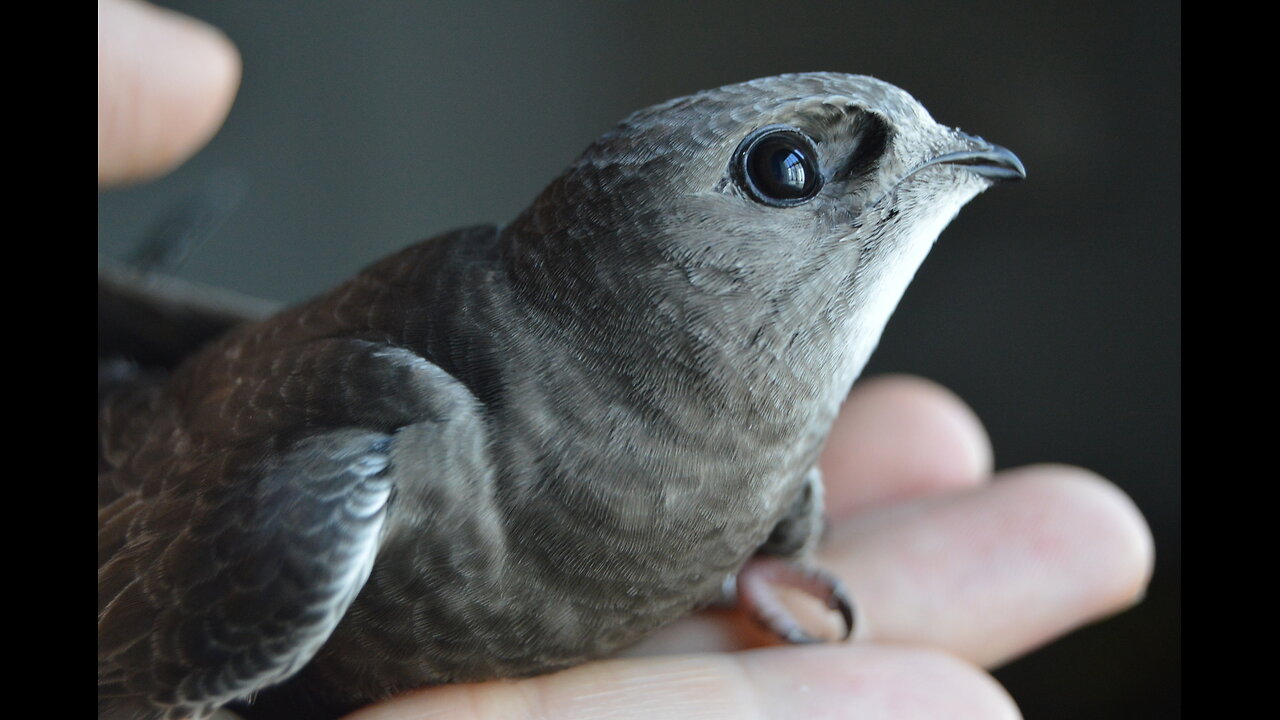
x=955 y=569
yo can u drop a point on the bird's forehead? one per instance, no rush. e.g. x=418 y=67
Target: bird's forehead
x=788 y=98
x=821 y=94
x=814 y=102
x=693 y=137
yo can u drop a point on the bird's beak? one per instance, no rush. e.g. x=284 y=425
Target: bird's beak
x=990 y=161
x=980 y=157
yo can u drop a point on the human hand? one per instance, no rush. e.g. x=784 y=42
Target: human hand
x=951 y=573
x=165 y=84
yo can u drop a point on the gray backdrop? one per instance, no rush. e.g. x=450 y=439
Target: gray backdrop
x=1053 y=306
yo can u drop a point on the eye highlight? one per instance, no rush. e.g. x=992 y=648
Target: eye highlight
x=778 y=166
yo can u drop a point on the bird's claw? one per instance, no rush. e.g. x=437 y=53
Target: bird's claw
x=756 y=584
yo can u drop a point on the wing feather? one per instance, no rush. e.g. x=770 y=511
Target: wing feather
x=263 y=564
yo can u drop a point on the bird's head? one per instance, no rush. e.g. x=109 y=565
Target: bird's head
x=784 y=206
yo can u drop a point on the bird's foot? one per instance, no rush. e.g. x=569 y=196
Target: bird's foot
x=757 y=585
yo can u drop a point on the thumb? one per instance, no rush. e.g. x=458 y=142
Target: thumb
x=165 y=84
x=838 y=680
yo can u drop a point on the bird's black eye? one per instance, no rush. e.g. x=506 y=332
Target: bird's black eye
x=778 y=167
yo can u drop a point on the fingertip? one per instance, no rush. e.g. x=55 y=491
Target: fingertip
x=165 y=84
x=901 y=436
x=1123 y=558
x=952 y=424
x=996 y=572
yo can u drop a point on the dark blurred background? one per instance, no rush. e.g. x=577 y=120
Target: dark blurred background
x=1053 y=307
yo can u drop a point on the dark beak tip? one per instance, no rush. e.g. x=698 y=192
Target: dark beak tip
x=992 y=162
x=1007 y=166
x=997 y=163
